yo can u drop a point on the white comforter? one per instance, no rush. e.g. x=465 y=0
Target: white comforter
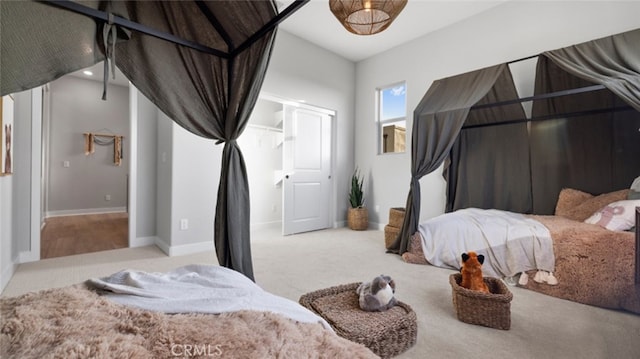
x=510 y=242
x=198 y=289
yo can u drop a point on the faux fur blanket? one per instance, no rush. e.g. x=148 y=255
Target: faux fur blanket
x=594 y=266
x=75 y=322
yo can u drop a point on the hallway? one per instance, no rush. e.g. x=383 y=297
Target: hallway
x=69 y=235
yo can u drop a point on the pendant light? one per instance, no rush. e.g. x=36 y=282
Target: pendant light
x=366 y=17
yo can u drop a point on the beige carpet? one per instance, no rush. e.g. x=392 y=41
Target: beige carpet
x=541 y=326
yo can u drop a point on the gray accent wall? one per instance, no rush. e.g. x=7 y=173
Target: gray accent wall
x=83 y=186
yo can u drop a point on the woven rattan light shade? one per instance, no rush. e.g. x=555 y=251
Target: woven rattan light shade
x=366 y=17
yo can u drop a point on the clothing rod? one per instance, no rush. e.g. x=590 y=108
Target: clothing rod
x=102 y=134
x=540 y=97
x=551 y=117
x=263 y=127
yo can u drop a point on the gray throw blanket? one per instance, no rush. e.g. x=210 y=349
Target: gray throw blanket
x=510 y=242
x=198 y=289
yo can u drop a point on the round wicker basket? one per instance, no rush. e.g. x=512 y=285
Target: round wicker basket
x=358 y=218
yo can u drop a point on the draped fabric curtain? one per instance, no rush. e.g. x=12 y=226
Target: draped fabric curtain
x=40 y=44
x=210 y=96
x=612 y=61
x=594 y=152
x=489 y=162
x=437 y=121
x=587 y=141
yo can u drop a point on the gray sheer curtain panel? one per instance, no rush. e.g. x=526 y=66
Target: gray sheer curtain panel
x=436 y=124
x=612 y=61
x=209 y=96
x=489 y=164
x=596 y=151
x=40 y=45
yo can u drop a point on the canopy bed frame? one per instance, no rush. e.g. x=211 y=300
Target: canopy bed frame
x=200 y=62
x=459 y=119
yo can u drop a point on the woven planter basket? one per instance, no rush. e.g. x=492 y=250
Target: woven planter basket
x=358 y=218
x=490 y=310
x=387 y=333
x=396 y=217
x=390 y=235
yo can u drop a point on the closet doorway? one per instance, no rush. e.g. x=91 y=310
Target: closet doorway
x=85 y=165
x=288 y=150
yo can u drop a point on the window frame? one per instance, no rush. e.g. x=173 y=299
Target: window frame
x=381 y=123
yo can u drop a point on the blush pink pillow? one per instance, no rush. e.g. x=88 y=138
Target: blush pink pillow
x=616 y=216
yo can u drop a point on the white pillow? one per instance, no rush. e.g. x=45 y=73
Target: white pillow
x=616 y=216
x=636 y=185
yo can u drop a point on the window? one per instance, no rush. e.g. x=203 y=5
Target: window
x=392 y=121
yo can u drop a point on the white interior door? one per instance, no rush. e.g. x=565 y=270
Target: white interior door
x=307 y=170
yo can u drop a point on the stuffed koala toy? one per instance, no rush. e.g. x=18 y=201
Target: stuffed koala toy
x=377 y=295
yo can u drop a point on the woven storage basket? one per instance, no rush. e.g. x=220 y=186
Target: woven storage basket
x=386 y=333
x=390 y=235
x=490 y=310
x=396 y=217
x=358 y=218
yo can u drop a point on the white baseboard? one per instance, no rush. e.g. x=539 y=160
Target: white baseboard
x=191 y=248
x=377 y=226
x=79 y=212
x=7 y=273
x=163 y=246
x=28 y=256
x=265 y=225
x=143 y=241
x=372 y=225
x=185 y=249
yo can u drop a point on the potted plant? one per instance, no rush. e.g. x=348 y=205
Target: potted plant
x=357 y=216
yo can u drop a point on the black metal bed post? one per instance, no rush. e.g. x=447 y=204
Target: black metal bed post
x=637 y=245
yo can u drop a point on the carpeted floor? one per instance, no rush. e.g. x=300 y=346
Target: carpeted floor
x=541 y=326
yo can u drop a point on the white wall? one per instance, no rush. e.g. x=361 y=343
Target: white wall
x=147 y=126
x=164 y=181
x=507 y=32
x=188 y=170
x=194 y=188
x=7 y=259
x=187 y=186
x=300 y=70
x=263 y=156
x=7 y=249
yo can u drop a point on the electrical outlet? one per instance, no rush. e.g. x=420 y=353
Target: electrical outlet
x=65 y=164
x=377 y=208
x=107 y=197
x=184 y=224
